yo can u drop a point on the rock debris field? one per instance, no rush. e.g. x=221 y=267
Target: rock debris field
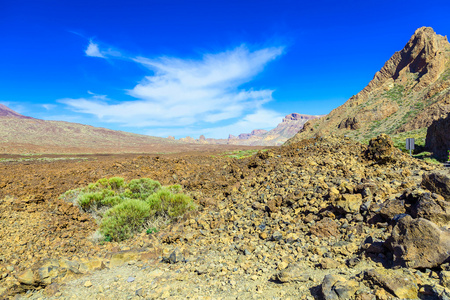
x=324 y=218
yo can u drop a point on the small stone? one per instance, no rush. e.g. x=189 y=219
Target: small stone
x=176 y=256
x=88 y=284
x=349 y=203
x=51 y=290
x=336 y=287
x=165 y=294
x=325 y=228
x=328 y=263
x=130 y=279
x=276 y=236
x=27 y=277
x=140 y=292
x=401 y=284
x=282 y=265
x=293 y=272
x=445 y=279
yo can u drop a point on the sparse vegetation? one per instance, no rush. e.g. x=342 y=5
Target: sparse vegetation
x=419 y=136
x=123 y=209
x=446 y=75
x=395 y=93
x=399 y=141
x=239 y=154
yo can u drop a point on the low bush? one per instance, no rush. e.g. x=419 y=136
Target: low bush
x=123 y=220
x=123 y=209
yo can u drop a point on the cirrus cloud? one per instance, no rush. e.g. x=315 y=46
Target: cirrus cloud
x=93 y=50
x=189 y=93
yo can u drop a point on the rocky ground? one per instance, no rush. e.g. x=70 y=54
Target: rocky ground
x=325 y=218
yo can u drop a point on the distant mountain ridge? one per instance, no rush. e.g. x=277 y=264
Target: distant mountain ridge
x=7 y=112
x=288 y=127
x=410 y=91
x=22 y=134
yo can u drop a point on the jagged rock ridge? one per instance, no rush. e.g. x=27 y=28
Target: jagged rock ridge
x=410 y=91
x=288 y=127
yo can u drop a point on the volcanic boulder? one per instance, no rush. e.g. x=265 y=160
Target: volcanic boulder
x=438 y=183
x=381 y=149
x=438 y=138
x=419 y=243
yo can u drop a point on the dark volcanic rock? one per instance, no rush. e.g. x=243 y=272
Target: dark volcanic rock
x=438 y=138
x=432 y=207
x=381 y=149
x=335 y=287
x=419 y=243
x=349 y=123
x=325 y=228
x=437 y=183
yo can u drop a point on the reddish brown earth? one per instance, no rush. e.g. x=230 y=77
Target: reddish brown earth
x=33 y=187
x=35 y=224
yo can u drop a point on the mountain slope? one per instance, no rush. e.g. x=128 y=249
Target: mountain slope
x=6 y=112
x=408 y=93
x=21 y=134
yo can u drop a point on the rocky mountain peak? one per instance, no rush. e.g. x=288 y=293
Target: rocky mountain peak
x=409 y=92
x=296 y=117
x=425 y=53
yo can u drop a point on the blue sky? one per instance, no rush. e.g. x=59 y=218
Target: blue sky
x=165 y=67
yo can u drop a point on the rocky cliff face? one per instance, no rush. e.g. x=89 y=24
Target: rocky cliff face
x=438 y=138
x=254 y=133
x=289 y=126
x=409 y=92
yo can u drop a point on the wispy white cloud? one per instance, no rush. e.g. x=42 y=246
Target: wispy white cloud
x=48 y=106
x=182 y=92
x=93 y=50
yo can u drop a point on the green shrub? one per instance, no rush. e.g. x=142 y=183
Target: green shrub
x=152 y=230
x=97 y=198
x=112 y=200
x=178 y=205
x=123 y=209
x=166 y=202
x=123 y=220
x=116 y=182
x=143 y=187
